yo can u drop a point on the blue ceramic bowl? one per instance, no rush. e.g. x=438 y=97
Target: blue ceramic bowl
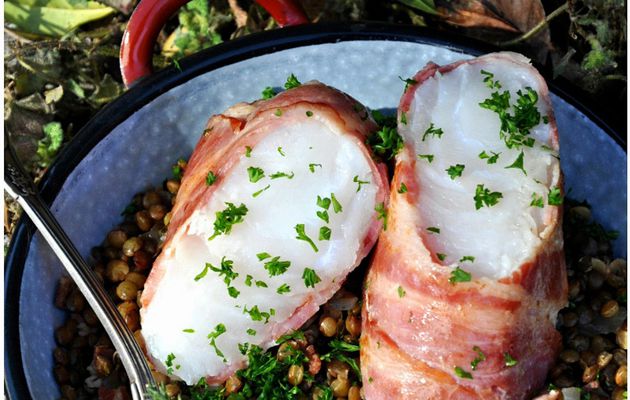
x=131 y=144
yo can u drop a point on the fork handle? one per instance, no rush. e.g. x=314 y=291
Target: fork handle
x=19 y=185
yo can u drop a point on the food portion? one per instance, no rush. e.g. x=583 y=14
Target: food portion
x=276 y=207
x=320 y=360
x=463 y=292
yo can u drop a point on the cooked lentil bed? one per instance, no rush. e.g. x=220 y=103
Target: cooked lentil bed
x=321 y=361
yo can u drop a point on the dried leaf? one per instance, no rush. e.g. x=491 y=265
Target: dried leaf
x=53 y=17
x=107 y=90
x=511 y=16
x=53 y=95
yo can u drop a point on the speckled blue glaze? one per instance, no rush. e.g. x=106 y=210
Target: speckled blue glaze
x=139 y=152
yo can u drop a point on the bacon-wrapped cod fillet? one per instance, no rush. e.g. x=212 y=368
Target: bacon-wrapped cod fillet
x=276 y=207
x=462 y=295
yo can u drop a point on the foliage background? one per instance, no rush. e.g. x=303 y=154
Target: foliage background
x=61 y=56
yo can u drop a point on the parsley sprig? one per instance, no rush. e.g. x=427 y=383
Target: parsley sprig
x=218 y=331
x=432 y=131
x=459 y=275
x=227 y=218
x=480 y=357
x=484 y=197
x=275 y=266
x=310 y=277
x=343 y=351
x=516 y=125
x=386 y=142
x=300 y=229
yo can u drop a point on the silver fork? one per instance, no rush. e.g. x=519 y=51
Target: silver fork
x=20 y=186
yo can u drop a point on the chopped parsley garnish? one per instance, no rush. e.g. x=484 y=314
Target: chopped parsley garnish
x=262 y=256
x=484 y=197
x=301 y=235
x=261 y=284
x=480 y=357
x=275 y=266
x=336 y=205
x=309 y=113
x=323 y=202
x=403 y=188
x=280 y=151
x=491 y=159
x=169 y=364
x=251 y=332
x=455 y=170
x=432 y=131
x=284 y=288
x=292 y=82
x=323 y=215
x=324 y=233
x=278 y=112
x=227 y=218
x=515 y=127
x=459 y=275
x=310 y=277
x=537 y=201
x=218 y=331
x=518 y=163
x=339 y=350
x=401 y=292
x=408 y=82
x=489 y=81
x=178 y=169
x=295 y=335
x=280 y=174
x=258 y=192
x=311 y=167
x=545 y=119
x=462 y=373
x=233 y=292
x=381 y=214
x=386 y=142
x=210 y=178
x=359 y=182
x=433 y=229
x=554 y=198
x=248 y=151
x=428 y=157
x=226 y=270
x=255 y=174
x=403 y=118
x=441 y=256
x=467 y=258
x=248 y=280
x=256 y=315
x=188 y=330
x=203 y=273
x=509 y=360
x=268 y=93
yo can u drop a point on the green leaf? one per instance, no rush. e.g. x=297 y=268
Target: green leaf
x=427 y=6
x=48 y=147
x=53 y=17
x=76 y=88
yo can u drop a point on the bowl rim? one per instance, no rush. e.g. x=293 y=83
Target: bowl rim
x=149 y=88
